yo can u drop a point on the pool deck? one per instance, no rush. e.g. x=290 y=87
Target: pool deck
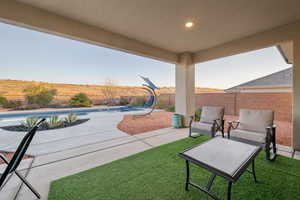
x=102 y=126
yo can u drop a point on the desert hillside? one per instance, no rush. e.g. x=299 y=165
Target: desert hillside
x=13 y=89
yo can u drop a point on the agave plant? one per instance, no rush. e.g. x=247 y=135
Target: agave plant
x=72 y=117
x=30 y=122
x=54 y=121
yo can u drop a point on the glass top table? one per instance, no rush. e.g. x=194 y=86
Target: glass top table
x=222 y=157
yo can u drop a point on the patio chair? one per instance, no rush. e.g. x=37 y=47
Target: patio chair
x=13 y=164
x=211 y=122
x=255 y=127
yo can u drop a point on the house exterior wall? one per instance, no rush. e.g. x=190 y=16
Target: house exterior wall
x=262 y=89
x=265 y=89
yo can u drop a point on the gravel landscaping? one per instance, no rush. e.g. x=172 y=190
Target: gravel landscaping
x=135 y=125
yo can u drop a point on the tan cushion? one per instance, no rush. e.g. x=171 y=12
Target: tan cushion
x=211 y=113
x=202 y=126
x=255 y=120
x=248 y=135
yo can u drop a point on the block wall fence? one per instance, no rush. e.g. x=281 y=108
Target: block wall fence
x=280 y=103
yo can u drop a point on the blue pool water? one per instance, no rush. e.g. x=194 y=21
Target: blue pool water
x=83 y=111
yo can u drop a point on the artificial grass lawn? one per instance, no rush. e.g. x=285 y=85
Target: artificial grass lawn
x=159 y=174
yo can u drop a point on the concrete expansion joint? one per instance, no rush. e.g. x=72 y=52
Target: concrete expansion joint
x=102 y=149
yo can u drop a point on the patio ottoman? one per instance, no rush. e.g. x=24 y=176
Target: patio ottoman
x=222 y=157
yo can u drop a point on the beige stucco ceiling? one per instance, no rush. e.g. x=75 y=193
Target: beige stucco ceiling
x=161 y=22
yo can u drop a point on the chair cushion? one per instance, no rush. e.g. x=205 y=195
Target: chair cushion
x=211 y=113
x=202 y=126
x=248 y=135
x=256 y=120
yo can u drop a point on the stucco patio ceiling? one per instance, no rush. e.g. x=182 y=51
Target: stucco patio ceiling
x=161 y=23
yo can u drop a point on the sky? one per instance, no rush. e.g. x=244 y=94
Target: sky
x=34 y=56
x=234 y=70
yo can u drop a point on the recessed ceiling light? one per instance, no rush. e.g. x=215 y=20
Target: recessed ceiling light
x=189 y=24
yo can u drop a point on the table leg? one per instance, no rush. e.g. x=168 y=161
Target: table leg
x=253 y=171
x=187 y=175
x=229 y=190
x=203 y=189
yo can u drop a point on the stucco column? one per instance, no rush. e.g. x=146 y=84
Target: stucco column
x=185 y=87
x=296 y=95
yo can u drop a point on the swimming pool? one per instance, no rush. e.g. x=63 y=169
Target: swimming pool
x=46 y=114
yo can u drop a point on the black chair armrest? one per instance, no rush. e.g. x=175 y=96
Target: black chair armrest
x=233 y=124
x=219 y=123
x=271 y=130
x=216 y=120
x=271 y=127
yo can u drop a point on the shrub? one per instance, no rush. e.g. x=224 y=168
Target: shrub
x=170 y=109
x=30 y=122
x=80 y=99
x=3 y=101
x=124 y=101
x=161 y=103
x=14 y=104
x=71 y=118
x=39 y=94
x=54 y=121
x=138 y=101
x=198 y=115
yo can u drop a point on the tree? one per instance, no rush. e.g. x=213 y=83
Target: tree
x=80 y=99
x=110 y=91
x=40 y=94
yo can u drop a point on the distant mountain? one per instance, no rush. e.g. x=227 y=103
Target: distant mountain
x=13 y=89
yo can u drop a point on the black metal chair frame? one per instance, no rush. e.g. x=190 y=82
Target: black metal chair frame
x=270 y=143
x=13 y=164
x=218 y=125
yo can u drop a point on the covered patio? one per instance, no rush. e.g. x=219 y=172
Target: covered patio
x=180 y=32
